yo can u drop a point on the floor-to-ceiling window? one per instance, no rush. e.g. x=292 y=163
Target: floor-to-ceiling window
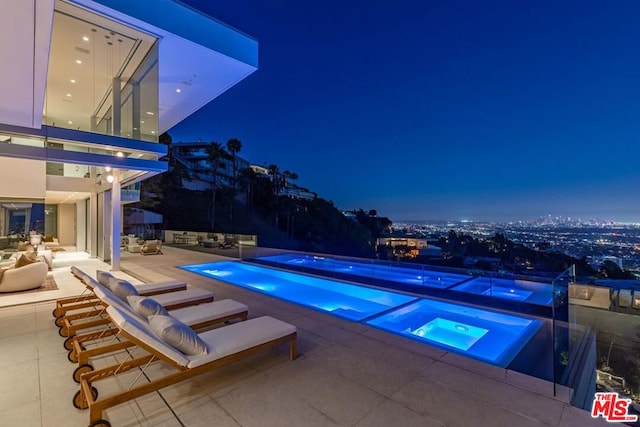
x=103 y=76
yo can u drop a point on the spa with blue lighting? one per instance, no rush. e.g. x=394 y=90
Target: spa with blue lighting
x=486 y=335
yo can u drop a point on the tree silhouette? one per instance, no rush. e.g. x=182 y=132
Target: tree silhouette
x=233 y=147
x=215 y=155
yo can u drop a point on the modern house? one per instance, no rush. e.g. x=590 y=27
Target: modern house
x=193 y=155
x=90 y=86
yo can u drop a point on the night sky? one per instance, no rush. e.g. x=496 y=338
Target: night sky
x=478 y=110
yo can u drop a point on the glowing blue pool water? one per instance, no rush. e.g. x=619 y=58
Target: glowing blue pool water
x=485 y=335
x=454 y=334
x=411 y=276
x=515 y=290
x=341 y=299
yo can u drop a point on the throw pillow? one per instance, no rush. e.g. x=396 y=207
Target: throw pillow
x=103 y=277
x=177 y=334
x=146 y=307
x=122 y=289
x=23 y=260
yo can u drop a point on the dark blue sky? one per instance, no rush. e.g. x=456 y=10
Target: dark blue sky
x=441 y=109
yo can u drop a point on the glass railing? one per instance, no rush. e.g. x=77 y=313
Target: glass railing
x=205 y=239
x=591 y=341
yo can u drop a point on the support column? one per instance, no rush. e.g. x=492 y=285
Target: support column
x=27 y=221
x=92 y=235
x=116 y=221
x=116 y=109
x=135 y=101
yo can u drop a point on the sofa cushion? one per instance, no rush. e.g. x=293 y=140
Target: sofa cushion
x=122 y=289
x=146 y=307
x=104 y=277
x=177 y=334
x=25 y=259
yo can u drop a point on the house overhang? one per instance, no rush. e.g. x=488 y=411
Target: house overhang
x=198 y=55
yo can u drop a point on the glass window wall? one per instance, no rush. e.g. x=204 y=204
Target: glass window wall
x=103 y=76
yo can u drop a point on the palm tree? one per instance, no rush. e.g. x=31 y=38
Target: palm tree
x=285 y=176
x=294 y=178
x=215 y=154
x=233 y=146
x=276 y=185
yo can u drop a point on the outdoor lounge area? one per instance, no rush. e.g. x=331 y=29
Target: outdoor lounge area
x=346 y=373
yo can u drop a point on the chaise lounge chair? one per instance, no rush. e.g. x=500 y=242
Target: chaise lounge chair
x=88 y=300
x=197 y=317
x=94 y=317
x=221 y=347
x=151 y=247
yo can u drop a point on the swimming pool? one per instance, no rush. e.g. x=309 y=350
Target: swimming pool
x=515 y=290
x=485 y=335
x=415 y=275
x=341 y=299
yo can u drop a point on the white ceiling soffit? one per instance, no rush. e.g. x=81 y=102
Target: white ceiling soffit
x=24 y=42
x=199 y=57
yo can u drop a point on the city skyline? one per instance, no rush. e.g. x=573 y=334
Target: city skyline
x=494 y=111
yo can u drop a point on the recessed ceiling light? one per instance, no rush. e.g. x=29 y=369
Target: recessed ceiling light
x=72 y=80
x=78 y=61
x=178 y=90
x=85 y=38
x=70 y=122
x=153 y=131
x=142 y=121
x=150 y=113
x=120 y=154
x=68 y=95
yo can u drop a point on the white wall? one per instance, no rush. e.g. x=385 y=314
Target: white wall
x=25 y=38
x=81 y=226
x=67 y=224
x=72 y=170
x=22 y=178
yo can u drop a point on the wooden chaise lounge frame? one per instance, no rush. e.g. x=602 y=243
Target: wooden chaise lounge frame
x=96 y=316
x=87 y=300
x=77 y=352
x=88 y=394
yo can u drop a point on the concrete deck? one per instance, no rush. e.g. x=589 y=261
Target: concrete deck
x=347 y=374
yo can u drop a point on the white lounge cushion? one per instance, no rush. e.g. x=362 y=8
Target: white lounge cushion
x=121 y=288
x=164 y=286
x=212 y=310
x=220 y=342
x=140 y=330
x=104 y=277
x=182 y=297
x=177 y=334
x=146 y=307
x=240 y=336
